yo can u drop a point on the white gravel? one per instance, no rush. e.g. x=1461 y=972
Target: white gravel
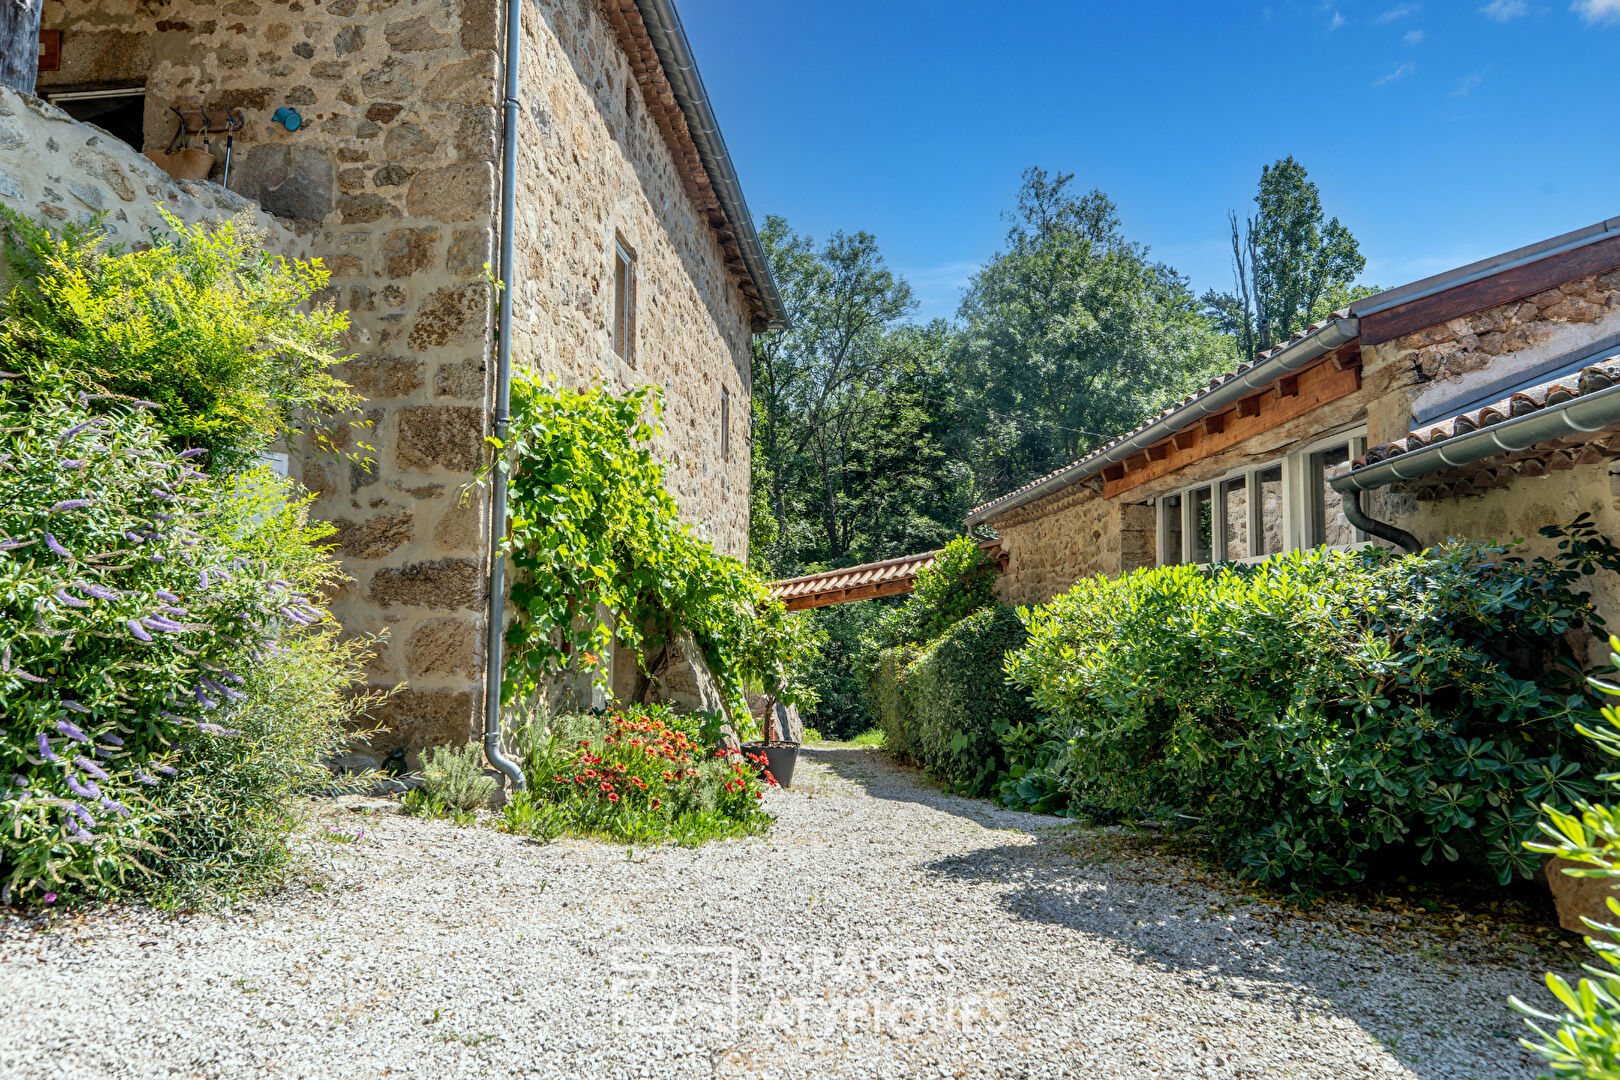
x=880 y=930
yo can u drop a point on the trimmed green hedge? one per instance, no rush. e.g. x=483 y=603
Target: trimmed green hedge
x=889 y=702
x=961 y=703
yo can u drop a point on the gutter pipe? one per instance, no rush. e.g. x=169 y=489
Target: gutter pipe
x=675 y=57
x=503 y=407
x=1577 y=416
x=1282 y=362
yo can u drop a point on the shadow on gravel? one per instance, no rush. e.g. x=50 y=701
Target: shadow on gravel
x=880 y=777
x=1168 y=912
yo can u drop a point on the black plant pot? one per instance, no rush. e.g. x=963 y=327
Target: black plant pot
x=779 y=757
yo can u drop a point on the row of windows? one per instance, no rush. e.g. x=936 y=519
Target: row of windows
x=622 y=330
x=1262 y=509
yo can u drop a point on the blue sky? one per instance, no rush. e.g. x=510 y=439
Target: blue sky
x=1439 y=132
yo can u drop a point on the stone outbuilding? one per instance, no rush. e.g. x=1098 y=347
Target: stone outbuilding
x=1481 y=403
x=368 y=133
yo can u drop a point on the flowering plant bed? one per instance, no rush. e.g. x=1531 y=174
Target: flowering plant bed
x=642 y=775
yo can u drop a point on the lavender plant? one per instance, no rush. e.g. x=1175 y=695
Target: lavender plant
x=152 y=621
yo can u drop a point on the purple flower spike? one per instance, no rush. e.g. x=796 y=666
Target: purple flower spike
x=72 y=504
x=150 y=781
x=50 y=542
x=166 y=770
x=91 y=767
x=87 y=790
x=159 y=623
x=195 y=451
x=74 y=430
x=204 y=700
x=166 y=596
x=133 y=537
x=81 y=813
x=70 y=601
x=138 y=630
x=144 y=405
x=115 y=806
x=45 y=750
x=157 y=558
x=8 y=544
x=100 y=592
x=115 y=740
x=72 y=732
x=75 y=462
x=75 y=706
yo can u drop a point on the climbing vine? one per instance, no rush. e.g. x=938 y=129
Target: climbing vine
x=600 y=555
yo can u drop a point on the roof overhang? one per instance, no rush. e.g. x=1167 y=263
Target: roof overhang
x=651 y=35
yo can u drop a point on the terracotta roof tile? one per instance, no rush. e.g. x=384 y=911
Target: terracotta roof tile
x=1588 y=380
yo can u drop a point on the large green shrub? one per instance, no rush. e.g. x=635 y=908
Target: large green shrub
x=961 y=704
x=1584 y=1040
x=1321 y=706
x=221 y=335
x=167 y=675
x=593 y=531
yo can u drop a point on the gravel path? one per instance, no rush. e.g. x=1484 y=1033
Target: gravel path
x=880 y=930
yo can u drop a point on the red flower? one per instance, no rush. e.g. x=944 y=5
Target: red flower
x=606 y=786
x=612 y=797
x=656 y=804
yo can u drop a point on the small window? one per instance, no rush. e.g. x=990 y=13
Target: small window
x=1170 y=530
x=1269 y=512
x=1235 y=496
x=1201 y=528
x=725 y=424
x=624 y=303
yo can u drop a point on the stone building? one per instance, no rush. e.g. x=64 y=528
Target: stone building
x=1481 y=403
x=636 y=260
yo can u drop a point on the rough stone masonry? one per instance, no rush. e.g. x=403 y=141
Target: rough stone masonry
x=391 y=181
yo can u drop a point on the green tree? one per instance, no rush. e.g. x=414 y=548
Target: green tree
x=848 y=429
x=1291 y=264
x=1069 y=336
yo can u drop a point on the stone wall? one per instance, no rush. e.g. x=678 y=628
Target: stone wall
x=56 y=170
x=594 y=168
x=391 y=180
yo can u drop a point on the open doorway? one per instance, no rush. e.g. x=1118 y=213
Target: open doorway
x=120 y=113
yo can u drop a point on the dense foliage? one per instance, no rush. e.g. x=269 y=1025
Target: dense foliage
x=1584 y=1040
x=166 y=675
x=837 y=671
x=218 y=334
x=593 y=531
x=644 y=775
x=959 y=705
x=1319 y=707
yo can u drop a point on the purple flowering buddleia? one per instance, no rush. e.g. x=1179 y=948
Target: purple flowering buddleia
x=26 y=677
x=204 y=700
x=157 y=558
x=72 y=732
x=159 y=623
x=90 y=767
x=74 y=706
x=134 y=538
x=74 y=430
x=81 y=813
x=114 y=805
x=45 y=750
x=138 y=630
x=51 y=542
x=166 y=597
x=215 y=729
x=75 y=462
x=8 y=544
x=109 y=737
x=166 y=770
x=70 y=601
x=100 y=592
x=144 y=405
x=72 y=504
x=176 y=718
x=145 y=778
x=87 y=790
x=195 y=451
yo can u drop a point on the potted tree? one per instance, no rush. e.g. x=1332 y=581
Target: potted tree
x=781 y=734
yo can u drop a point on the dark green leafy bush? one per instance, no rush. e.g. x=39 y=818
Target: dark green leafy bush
x=840 y=711
x=167 y=677
x=961 y=706
x=888 y=696
x=1319 y=707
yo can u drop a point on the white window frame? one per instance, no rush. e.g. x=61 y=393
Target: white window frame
x=1299 y=495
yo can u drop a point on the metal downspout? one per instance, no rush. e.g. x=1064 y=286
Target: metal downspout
x=496 y=627
x=1350 y=504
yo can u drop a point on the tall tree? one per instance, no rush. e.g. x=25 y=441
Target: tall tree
x=839 y=432
x=1069 y=336
x=1291 y=265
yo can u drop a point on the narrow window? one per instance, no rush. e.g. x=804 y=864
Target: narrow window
x=1201 y=529
x=1235 y=494
x=1326 y=519
x=1169 y=530
x=1268 y=511
x=725 y=424
x=624 y=303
